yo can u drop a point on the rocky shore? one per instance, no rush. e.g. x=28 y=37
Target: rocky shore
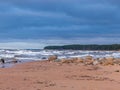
x=87 y=60
x=65 y=74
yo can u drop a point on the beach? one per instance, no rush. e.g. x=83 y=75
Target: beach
x=59 y=45
x=45 y=75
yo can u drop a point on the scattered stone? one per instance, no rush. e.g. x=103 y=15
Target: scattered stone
x=117 y=61
x=96 y=62
x=14 y=60
x=57 y=60
x=108 y=61
x=117 y=71
x=88 y=62
x=101 y=60
x=88 y=57
x=44 y=58
x=79 y=60
x=66 y=61
x=52 y=58
x=109 y=58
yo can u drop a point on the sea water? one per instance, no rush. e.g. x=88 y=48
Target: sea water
x=27 y=55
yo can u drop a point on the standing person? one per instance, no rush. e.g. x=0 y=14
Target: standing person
x=2 y=60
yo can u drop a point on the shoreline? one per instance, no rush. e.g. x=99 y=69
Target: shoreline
x=45 y=75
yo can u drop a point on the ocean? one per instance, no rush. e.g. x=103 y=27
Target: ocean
x=27 y=55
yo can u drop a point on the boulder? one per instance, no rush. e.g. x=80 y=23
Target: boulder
x=14 y=61
x=88 y=62
x=65 y=60
x=69 y=60
x=101 y=59
x=72 y=60
x=117 y=61
x=79 y=60
x=108 y=61
x=96 y=62
x=44 y=58
x=109 y=58
x=53 y=58
x=88 y=57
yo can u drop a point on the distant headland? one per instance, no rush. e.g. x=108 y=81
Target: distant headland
x=85 y=47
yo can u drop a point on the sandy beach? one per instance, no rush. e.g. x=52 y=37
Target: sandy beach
x=44 y=75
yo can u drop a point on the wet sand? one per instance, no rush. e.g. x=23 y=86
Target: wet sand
x=44 y=75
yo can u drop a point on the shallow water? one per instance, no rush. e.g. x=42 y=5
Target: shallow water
x=26 y=55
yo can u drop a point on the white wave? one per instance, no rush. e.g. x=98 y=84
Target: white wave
x=46 y=53
x=6 y=56
x=116 y=55
x=28 y=55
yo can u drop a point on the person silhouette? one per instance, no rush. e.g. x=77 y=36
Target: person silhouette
x=3 y=63
x=2 y=60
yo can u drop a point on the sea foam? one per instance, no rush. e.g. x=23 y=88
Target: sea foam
x=38 y=54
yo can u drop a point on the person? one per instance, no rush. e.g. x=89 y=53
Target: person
x=2 y=60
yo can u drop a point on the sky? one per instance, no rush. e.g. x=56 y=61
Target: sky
x=39 y=23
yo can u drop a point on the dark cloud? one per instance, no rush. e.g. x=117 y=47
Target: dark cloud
x=36 y=19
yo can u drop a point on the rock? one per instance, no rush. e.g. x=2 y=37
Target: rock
x=101 y=60
x=57 y=60
x=109 y=58
x=52 y=58
x=117 y=61
x=65 y=61
x=88 y=62
x=69 y=60
x=79 y=60
x=95 y=62
x=44 y=58
x=88 y=57
x=117 y=71
x=108 y=61
x=72 y=60
x=14 y=61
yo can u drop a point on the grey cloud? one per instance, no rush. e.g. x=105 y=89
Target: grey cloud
x=60 y=19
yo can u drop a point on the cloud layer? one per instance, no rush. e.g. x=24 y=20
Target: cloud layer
x=59 y=21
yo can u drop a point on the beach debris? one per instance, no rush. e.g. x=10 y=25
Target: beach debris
x=101 y=60
x=117 y=61
x=72 y=60
x=44 y=58
x=53 y=58
x=88 y=57
x=87 y=60
x=117 y=70
x=96 y=62
x=66 y=60
x=57 y=60
x=14 y=60
x=110 y=58
x=79 y=60
x=108 y=61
